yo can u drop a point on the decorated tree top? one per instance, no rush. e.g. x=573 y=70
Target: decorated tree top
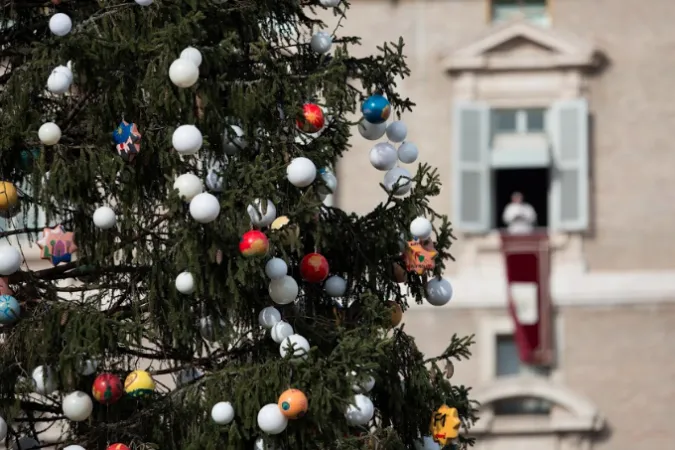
x=171 y=161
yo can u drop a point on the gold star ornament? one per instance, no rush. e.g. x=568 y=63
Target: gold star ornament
x=419 y=257
x=445 y=425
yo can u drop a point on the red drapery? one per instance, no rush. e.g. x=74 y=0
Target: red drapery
x=527 y=259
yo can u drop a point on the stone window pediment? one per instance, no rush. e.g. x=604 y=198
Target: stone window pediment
x=522 y=46
x=570 y=412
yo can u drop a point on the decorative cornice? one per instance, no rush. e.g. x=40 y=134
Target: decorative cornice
x=561 y=51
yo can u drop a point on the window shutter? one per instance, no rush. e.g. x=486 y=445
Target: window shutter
x=471 y=167
x=568 y=120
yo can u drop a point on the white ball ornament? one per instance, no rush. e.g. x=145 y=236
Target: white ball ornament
x=383 y=156
x=215 y=180
x=271 y=420
x=400 y=178
x=421 y=228
x=44 y=380
x=233 y=140
x=65 y=70
x=329 y=3
x=268 y=317
x=10 y=260
x=372 y=131
x=3 y=429
x=335 y=286
x=397 y=131
x=206 y=328
x=280 y=331
x=188 y=375
x=365 y=386
x=301 y=172
x=60 y=24
x=183 y=73
x=283 y=290
x=276 y=268
x=439 y=291
x=144 y=2
x=187 y=139
x=204 y=208
x=408 y=153
x=360 y=411
x=331 y=184
x=49 y=133
x=104 y=217
x=262 y=213
x=193 y=55
x=185 y=283
x=260 y=444
x=87 y=367
x=222 y=413
x=59 y=81
x=298 y=345
x=77 y=406
x=188 y=186
x=73 y=447
x=26 y=443
x=321 y=42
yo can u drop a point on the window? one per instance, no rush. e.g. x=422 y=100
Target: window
x=508 y=364
x=518 y=120
x=542 y=153
x=535 y=11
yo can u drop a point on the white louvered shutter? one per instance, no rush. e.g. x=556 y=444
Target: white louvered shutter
x=471 y=167
x=569 y=194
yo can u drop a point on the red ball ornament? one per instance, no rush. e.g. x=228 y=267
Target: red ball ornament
x=312 y=119
x=314 y=268
x=117 y=446
x=254 y=243
x=107 y=388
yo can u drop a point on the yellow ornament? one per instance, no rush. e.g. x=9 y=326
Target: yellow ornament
x=445 y=425
x=279 y=222
x=8 y=196
x=139 y=383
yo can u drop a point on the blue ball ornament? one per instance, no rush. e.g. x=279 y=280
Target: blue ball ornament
x=376 y=109
x=9 y=309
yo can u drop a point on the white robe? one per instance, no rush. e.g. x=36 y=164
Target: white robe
x=520 y=218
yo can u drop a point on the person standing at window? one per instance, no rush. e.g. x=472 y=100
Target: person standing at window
x=519 y=216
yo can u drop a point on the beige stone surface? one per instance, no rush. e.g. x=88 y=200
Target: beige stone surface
x=632 y=105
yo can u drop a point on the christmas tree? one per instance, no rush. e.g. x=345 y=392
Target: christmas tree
x=170 y=162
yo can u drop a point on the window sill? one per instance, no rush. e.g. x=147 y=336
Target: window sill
x=491 y=242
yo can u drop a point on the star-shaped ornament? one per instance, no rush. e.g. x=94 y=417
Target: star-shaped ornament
x=57 y=245
x=420 y=257
x=445 y=425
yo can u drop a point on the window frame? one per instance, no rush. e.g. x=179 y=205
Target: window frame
x=490 y=327
x=489 y=13
x=480 y=166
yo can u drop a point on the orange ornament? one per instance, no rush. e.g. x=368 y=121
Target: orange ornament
x=399 y=273
x=293 y=403
x=396 y=313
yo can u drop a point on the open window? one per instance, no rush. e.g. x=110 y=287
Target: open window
x=534 y=11
x=542 y=153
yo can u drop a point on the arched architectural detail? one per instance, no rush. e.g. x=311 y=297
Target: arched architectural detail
x=572 y=412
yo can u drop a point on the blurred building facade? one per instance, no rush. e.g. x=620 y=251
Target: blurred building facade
x=571 y=103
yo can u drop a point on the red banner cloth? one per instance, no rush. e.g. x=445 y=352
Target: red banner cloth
x=527 y=259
